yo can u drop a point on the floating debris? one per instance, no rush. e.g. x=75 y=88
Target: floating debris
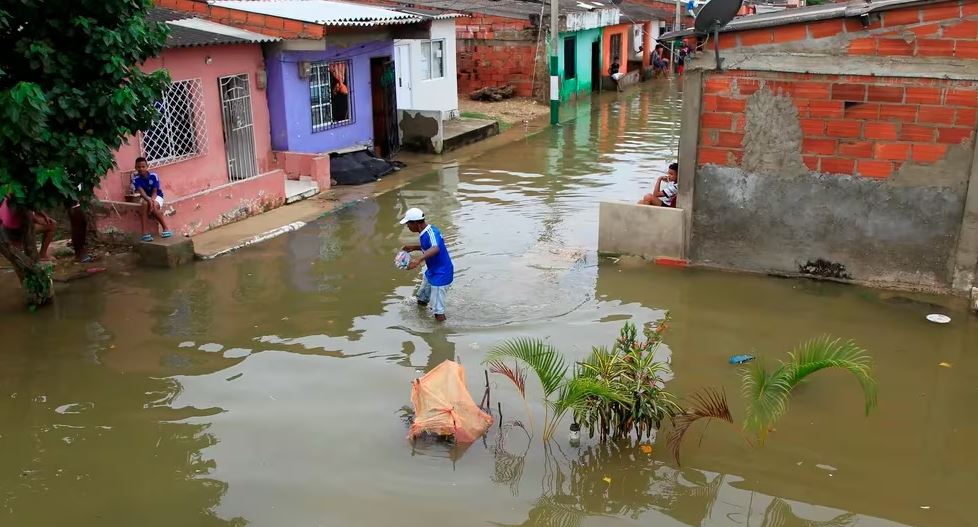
x=938 y=318
x=741 y=359
x=945 y=364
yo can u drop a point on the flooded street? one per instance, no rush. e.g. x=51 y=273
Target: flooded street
x=265 y=387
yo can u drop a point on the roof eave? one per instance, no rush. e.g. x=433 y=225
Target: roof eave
x=850 y=11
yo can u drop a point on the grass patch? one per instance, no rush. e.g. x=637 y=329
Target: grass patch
x=503 y=125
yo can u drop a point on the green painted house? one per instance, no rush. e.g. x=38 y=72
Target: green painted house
x=579 y=63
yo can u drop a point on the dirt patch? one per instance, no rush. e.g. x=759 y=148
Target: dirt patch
x=508 y=112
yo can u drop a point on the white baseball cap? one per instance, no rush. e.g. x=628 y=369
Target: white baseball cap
x=412 y=215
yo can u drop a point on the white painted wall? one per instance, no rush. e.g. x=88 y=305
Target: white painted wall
x=439 y=94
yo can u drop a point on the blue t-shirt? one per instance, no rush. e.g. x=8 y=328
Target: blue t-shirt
x=439 y=269
x=147 y=184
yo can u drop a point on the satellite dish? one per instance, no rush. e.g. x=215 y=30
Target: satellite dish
x=714 y=15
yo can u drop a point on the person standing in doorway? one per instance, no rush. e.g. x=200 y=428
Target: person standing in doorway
x=146 y=185
x=439 y=270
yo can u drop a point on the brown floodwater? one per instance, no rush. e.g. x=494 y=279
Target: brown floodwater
x=265 y=387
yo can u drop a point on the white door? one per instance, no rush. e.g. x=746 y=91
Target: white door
x=402 y=69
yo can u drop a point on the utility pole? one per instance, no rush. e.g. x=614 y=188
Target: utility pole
x=554 y=80
x=672 y=43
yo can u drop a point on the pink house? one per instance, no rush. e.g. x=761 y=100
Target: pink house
x=212 y=145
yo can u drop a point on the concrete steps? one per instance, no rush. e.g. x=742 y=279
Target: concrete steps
x=298 y=190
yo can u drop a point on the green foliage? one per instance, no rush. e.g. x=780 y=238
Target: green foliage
x=630 y=370
x=70 y=93
x=767 y=393
x=542 y=358
x=613 y=393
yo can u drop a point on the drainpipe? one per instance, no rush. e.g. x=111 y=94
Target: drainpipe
x=554 y=81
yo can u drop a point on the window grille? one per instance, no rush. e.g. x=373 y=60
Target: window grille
x=181 y=131
x=615 y=48
x=331 y=95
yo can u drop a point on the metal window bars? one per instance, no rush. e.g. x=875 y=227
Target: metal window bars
x=330 y=109
x=181 y=131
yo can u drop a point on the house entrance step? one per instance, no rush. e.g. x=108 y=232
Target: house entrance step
x=299 y=190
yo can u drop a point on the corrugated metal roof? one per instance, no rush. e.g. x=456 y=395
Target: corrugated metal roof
x=189 y=31
x=322 y=12
x=432 y=15
x=519 y=9
x=214 y=28
x=805 y=14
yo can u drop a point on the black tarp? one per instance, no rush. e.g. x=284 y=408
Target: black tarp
x=357 y=168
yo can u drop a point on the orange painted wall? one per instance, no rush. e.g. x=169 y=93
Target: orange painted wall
x=620 y=29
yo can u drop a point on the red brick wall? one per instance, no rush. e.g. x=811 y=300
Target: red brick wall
x=267 y=25
x=946 y=29
x=855 y=125
x=496 y=51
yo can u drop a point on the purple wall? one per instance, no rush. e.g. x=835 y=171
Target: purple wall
x=288 y=99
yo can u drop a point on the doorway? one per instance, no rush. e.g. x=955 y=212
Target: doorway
x=596 y=65
x=383 y=94
x=239 y=134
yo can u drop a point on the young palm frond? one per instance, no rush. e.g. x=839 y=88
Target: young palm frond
x=515 y=374
x=709 y=403
x=539 y=356
x=767 y=398
x=825 y=352
x=767 y=393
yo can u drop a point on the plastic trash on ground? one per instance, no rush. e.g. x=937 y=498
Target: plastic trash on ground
x=444 y=407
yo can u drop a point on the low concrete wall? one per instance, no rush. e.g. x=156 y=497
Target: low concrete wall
x=298 y=165
x=640 y=230
x=630 y=78
x=196 y=213
x=897 y=232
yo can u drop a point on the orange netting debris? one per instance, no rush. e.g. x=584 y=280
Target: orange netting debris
x=443 y=406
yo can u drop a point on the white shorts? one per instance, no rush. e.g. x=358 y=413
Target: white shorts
x=159 y=201
x=433 y=295
x=617 y=76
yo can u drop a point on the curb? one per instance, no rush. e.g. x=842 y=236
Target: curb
x=267 y=235
x=672 y=262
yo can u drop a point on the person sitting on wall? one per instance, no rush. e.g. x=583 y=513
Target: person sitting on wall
x=666 y=188
x=146 y=185
x=660 y=64
x=616 y=75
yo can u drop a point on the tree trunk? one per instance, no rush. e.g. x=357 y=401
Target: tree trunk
x=35 y=276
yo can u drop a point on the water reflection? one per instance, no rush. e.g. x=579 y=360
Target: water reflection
x=622 y=480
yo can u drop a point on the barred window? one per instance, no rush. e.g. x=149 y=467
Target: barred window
x=330 y=95
x=181 y=131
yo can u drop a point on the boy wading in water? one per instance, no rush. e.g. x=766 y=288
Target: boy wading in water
x=439 y=271
x=147 y=185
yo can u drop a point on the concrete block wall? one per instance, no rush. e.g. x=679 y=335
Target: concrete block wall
x=496 y=51
x=641 y=230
